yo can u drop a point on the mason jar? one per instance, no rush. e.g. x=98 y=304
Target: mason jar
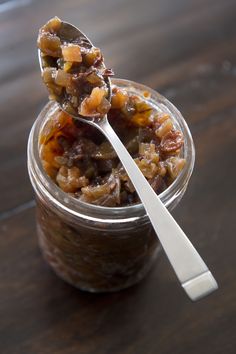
x=95 y=248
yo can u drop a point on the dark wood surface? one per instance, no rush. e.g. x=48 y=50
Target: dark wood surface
x=185 y=50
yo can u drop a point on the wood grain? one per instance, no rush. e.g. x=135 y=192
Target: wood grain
x=190 y=57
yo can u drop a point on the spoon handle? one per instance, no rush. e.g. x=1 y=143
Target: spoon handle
x=192 y=272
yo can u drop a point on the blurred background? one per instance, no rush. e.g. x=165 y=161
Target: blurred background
x=185 y=49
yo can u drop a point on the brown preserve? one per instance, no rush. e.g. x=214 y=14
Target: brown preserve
x=92 y=229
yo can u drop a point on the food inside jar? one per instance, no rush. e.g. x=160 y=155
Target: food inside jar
x=83 y=163
x=74 y=72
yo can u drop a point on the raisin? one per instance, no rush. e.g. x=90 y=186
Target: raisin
x=172 y=141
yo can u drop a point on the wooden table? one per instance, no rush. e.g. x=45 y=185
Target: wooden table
x=185 y=50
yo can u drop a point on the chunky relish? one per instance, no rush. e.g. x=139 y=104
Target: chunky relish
x=83 y=163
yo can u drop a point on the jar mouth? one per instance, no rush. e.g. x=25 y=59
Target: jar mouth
x=42 y=183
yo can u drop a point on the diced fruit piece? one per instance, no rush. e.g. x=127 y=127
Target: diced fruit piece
x=165 y=127
x=149 y=169
x=49 y=151
x=72 y=53
x=143 y=113
x=93 y=55
x=95 y=79
x=141 y=119
x=95 y=103
x=148 y=151
x=57 y=122
x=62 y=78
x=104 y=106
x=107 y=194
x=49 y=44
x=70 y=179
x=49 y=75
x=119 y=99
x=53 y=25
x=175 y=166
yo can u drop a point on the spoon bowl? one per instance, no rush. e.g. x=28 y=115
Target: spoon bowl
x=72 y=34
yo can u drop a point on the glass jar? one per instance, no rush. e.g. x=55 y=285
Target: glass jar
x=98 y=248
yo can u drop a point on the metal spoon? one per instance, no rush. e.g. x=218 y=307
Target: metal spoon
x=192 y=272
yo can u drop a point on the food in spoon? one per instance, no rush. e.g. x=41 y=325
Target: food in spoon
x=74 y=72
x=82 y=162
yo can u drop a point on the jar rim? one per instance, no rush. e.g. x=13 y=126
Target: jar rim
x=43 y=184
